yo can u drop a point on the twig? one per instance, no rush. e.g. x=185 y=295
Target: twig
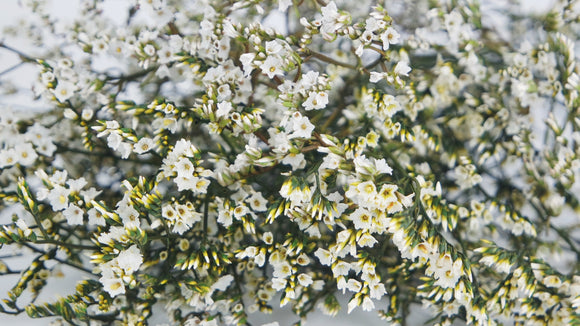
x=14 y=67
x=309 y=53
x=81 y=268
x=24 y=57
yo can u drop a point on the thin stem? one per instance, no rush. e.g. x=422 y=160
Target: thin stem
x=40 y=226
x=14 y=67
x=67 y=245
x=130 y=77
x=24 y=57
x=206 y=214
x=309 y=53
x=81 y=268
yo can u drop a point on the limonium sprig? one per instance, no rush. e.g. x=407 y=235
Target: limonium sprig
x=199 y=164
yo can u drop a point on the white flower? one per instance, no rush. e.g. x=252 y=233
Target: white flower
x=330 y=21
x=185 y=182
x=129 y=215
x=113 y=285
x=247 y=60
x=386 y=196
x=58 y=197
x=296 y=160
x=76 y=185
x=340 y=268
x=268 y=238
x=303 y=259
x=368 y=304
x=26 y=154
x=302 y=128
x=144 y=145
x=100 y=45
x=325 y=257
x=353 y=285
x=125 y=149
x=224 y=93
x=552 y=281
x=46 y=147
x=402 y=68
x=184 y=147
x=257 y=202
x=361 y=218
x=42 y=193
x=64 y=90
x=114 y=140
x=223 y=109
x=37 y=134
x=382 y=166
x=96 y=218
x=112 y=124
x=165 y=55
x=201 y=186
x=390 y=106
x=446 y=271
x=406 y=201
x=240 y=211
x=180 y=226
x=377 y=76
x=70 y=114
x=250 y=252
x=282 y=270
x=22 y=226
x=390 y=36
x=366 y=240
x=272 y=66
x=377 y=290
x=8 y=157
x=278 y=283
x=59 y=177
x=305 y=280
x=273 y=47
x=73 y=215
x=316 y=101
x=260 y=258
x=353 y=303
x=130 y=260
x=367 y=192
x=149 y=50
x=184 y=167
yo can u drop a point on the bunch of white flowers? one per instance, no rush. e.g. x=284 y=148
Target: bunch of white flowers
x=198 y=162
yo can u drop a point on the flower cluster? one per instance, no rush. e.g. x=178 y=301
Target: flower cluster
x=201 y=164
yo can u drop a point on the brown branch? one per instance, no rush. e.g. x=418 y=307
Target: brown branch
x=309 y=53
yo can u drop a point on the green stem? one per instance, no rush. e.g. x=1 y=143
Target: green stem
x=206 y=213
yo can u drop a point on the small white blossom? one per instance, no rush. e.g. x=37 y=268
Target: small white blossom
x=390 y=36
x=58 y=198
x=130 y=260
x=402 y=68
x=316 y=101
x=302 y=128
x=74 y=215
x=144 y=145
x=272 y=67
x=64 y=91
